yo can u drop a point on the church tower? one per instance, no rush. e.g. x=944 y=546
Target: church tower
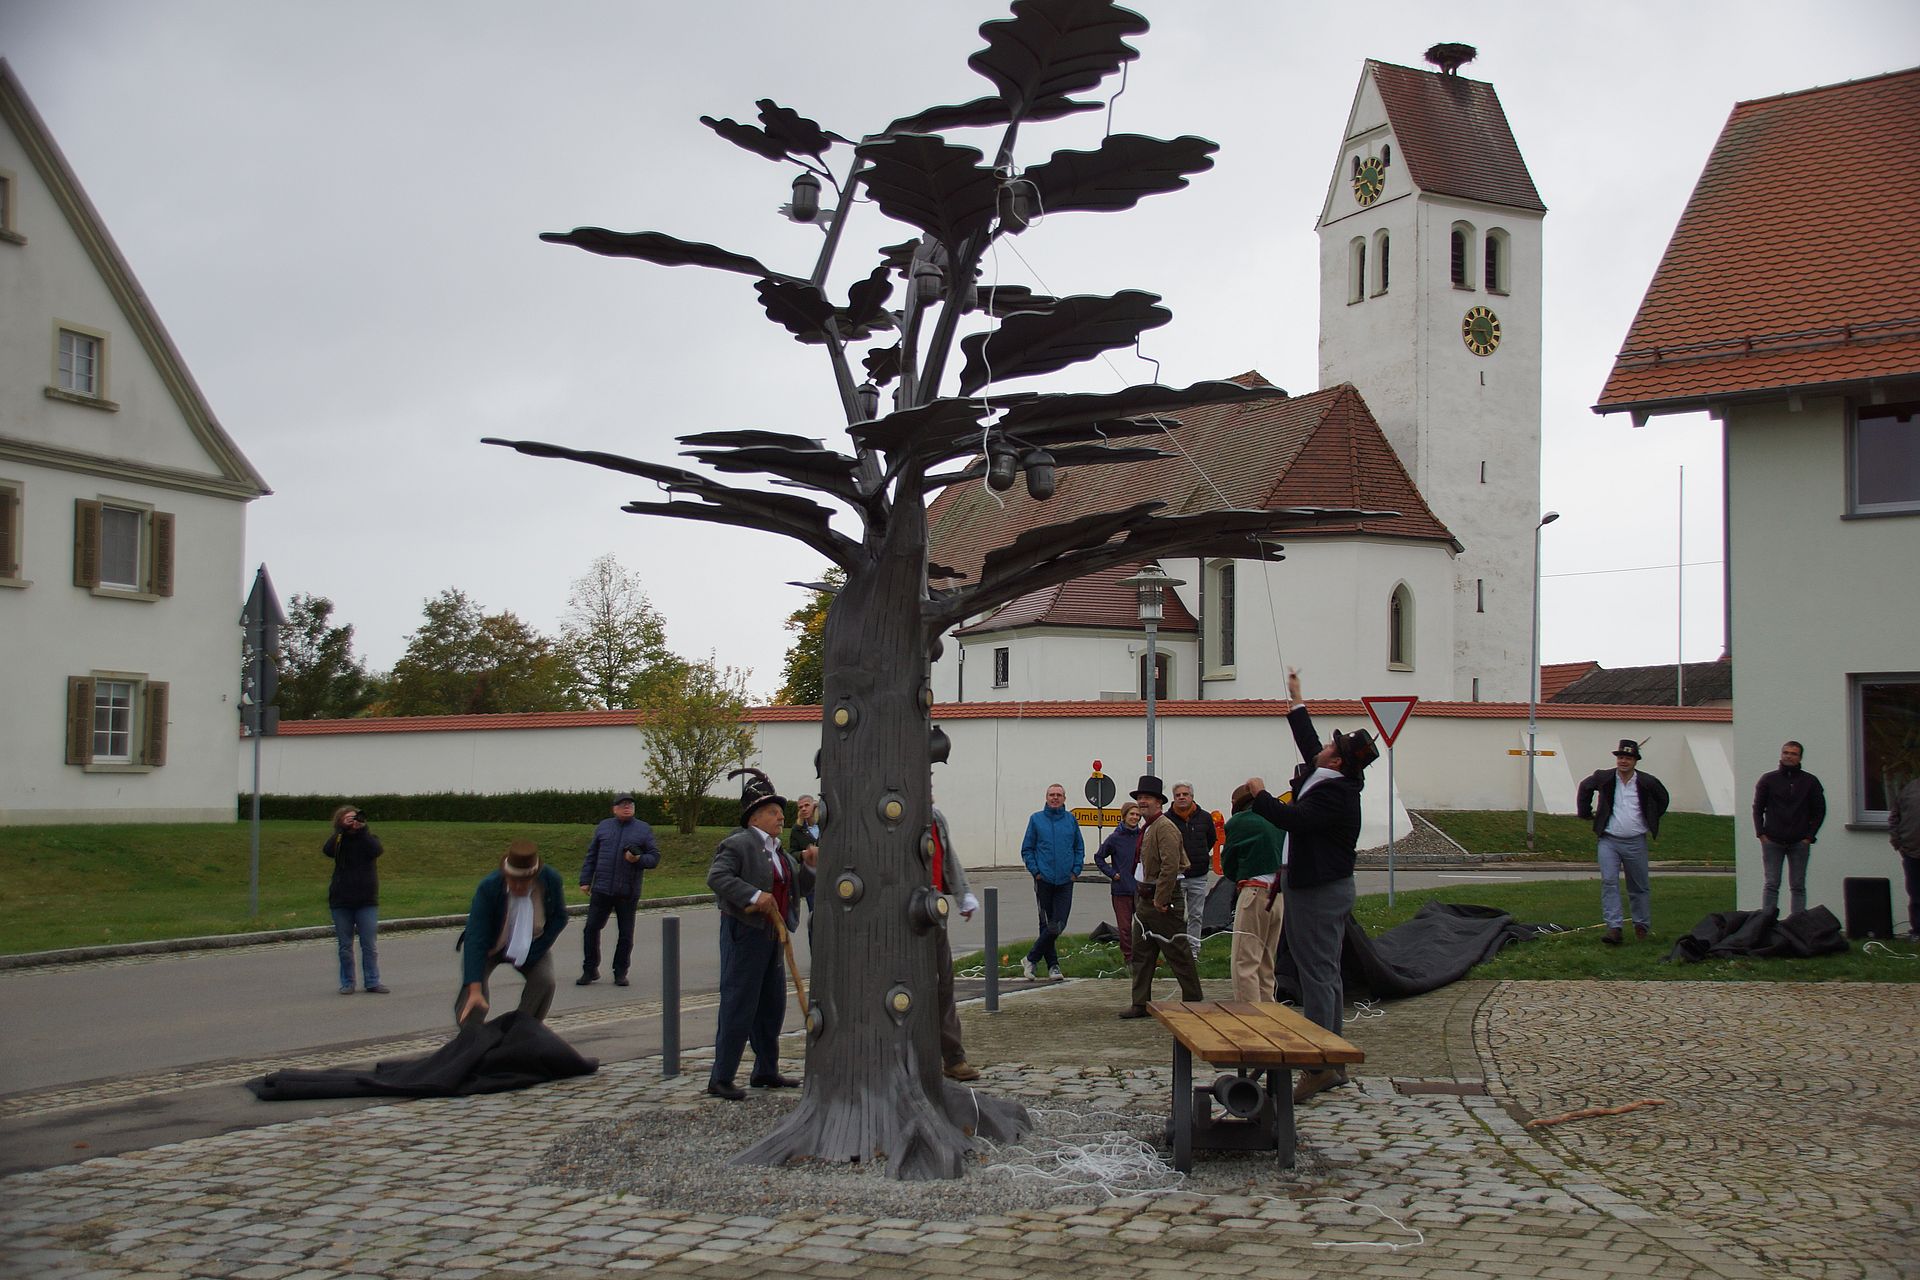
x=1430 y=305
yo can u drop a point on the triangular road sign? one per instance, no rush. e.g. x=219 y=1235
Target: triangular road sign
x=1390 y=714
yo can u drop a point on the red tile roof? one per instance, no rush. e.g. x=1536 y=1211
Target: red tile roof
x=1555 y=676
x=1453 y=136
x=1319 y=450
x=1097 y=600
x=1795 y=264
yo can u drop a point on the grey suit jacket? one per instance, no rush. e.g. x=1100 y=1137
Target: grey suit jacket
x=741 y=867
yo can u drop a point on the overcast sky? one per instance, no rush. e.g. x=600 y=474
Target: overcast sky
x=334 y=207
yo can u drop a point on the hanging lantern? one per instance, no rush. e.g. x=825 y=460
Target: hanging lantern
x=806 y=198
x=1040 y=475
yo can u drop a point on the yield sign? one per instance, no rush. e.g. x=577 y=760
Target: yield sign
x=1390 y=714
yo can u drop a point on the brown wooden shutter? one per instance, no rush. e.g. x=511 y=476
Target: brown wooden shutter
x=160 y=574
x=154 y=728
x=79 y=719
x=86 y=543
x=9 y=545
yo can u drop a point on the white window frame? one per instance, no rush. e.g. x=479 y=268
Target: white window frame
x=1899 y=507
x=1162 y=660
x=1223 y=621
x=140 y=516
x=128 y=711
x=1400 y=628
x=13 y=568
x=1863 y=813
x=10 y=208
x=1002 y=666
x=65 y=384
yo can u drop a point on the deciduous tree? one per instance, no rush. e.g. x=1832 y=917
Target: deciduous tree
x=462 y=661
x=694 y=730
x=320 y=679
x=801 y=675
x=613 y=640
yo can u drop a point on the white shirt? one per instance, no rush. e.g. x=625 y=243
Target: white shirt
x=519 y=928
x=772 y=844
x=1626 y=820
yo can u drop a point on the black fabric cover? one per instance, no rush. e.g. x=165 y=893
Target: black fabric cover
x=1217 y=915
x=511 y=1052
x=1813 y=932
x=1439 y=945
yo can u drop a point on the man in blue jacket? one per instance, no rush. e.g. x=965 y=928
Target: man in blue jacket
x=621 y=852
x=516 y=914
x=1054 y=853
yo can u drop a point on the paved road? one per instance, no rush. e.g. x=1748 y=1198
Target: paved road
x=125 y=1054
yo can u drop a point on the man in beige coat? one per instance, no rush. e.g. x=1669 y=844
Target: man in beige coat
x=1159 y=927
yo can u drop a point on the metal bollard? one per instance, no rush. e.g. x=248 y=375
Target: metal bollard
x=992 y=966
x=669 y=997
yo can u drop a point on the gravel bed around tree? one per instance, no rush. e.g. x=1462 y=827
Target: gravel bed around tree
x=678 y=1158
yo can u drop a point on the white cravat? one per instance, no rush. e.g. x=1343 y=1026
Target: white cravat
x=519 y=928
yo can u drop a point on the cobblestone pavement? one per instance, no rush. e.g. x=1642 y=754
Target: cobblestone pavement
x=1397 y=1182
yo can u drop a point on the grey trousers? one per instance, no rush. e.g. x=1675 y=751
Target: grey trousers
x=535 y=998
x=1194 y=889
x=1315 y=927
x=951 y=1050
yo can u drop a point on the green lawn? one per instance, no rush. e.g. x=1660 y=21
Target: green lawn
x=87 y=885
x=1679 y=903
x=1684 y=837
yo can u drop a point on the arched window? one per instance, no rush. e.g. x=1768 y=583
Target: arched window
x=1223 y=610
x=1357 y=270
x=1382 y=257
x=1386 y=155
x=1356 y=164
x=1163 y=670
x=1462 y=257
x=1400 y=629
x=1499 y=269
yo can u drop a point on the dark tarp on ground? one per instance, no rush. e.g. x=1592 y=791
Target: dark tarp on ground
x=1217 y=917
x=1439 y=945
x=511 y=1052
x=1814 y=932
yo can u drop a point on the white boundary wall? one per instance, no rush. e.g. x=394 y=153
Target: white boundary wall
x=1004 y=756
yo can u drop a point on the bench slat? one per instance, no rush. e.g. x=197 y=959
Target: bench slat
x=1289 y=1043
x=1336 y=1048
x=1228 y=1033
x=1206 y=1041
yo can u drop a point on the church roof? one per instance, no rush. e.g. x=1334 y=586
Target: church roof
x=1649 y=686
x=1555 y=676
x=1319 y=450
x=1795 y=264
x=1453 y=136
x=1097 y=600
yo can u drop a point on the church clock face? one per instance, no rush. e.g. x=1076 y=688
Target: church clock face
x=1480 y=330
x=1369 y=180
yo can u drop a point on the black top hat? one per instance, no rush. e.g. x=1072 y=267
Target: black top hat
x=1357 y=751
x=1149 y=786
x=756 y=792
x=1628 y=747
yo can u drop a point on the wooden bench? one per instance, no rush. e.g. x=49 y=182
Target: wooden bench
x=1255 y=1040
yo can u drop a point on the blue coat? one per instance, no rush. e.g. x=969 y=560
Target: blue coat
x=489 y=913
x=1053 y=848
x=606 y=870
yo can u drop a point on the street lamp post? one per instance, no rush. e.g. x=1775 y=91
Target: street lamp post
x=1150 y=582
x=1533 y=670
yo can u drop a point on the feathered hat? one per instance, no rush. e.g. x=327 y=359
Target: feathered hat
x=756 y=792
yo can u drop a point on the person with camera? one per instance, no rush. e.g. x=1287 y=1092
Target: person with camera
x=621 y=852
x=354 y=896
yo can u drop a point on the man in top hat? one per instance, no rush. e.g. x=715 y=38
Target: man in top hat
x=1323 y=828
x=1624 y=806
x=620 y=854
x=759 y=889
x=516 y=914
x=1159 y=915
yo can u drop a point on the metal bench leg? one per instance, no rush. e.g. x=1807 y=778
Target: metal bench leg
x=1182 y=1108
x=1280 y=1092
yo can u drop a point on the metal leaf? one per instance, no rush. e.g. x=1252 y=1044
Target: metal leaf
x=882 y=364
x=758 y=141
x=931 y=184
x=798 y=306
x=987 y=113
x=1075 y=329
x=750 y=440
x=866 y=308
x=1006 y=299
x=1054 y=47
x=793 y=131
x=1125 y=168
x=655 y=246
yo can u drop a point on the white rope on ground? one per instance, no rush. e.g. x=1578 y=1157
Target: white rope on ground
x=1874 y=948
x=1419 y=1237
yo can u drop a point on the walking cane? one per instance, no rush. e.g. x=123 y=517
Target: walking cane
x=799 y=990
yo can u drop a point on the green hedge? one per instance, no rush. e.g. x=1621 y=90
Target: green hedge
x=511 y=806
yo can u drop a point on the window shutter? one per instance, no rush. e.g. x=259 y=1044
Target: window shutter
x=9 y=560
x=86 y=543
x=160 y=575
x=154 y=727
x=79 y=720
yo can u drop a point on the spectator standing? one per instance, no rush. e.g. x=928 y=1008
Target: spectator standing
x=1323 y=828
x=1199 y=836
x=803 y=842
x=620 y=854
x=1903 y=830
x=1157 y=923
x=1054 y=853
x=1789 y=805
x=950 y=878
x=516 y=914
x=1625 y=806
x=1116 y=859
x=1251 y=859
x=353 y=896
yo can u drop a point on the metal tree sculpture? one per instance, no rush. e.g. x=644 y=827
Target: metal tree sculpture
x=874 y=1087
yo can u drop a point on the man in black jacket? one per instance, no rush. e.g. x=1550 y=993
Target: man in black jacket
x=620 y=854
x=1323 y=828
x=1625 y=806
x=1789 y=805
